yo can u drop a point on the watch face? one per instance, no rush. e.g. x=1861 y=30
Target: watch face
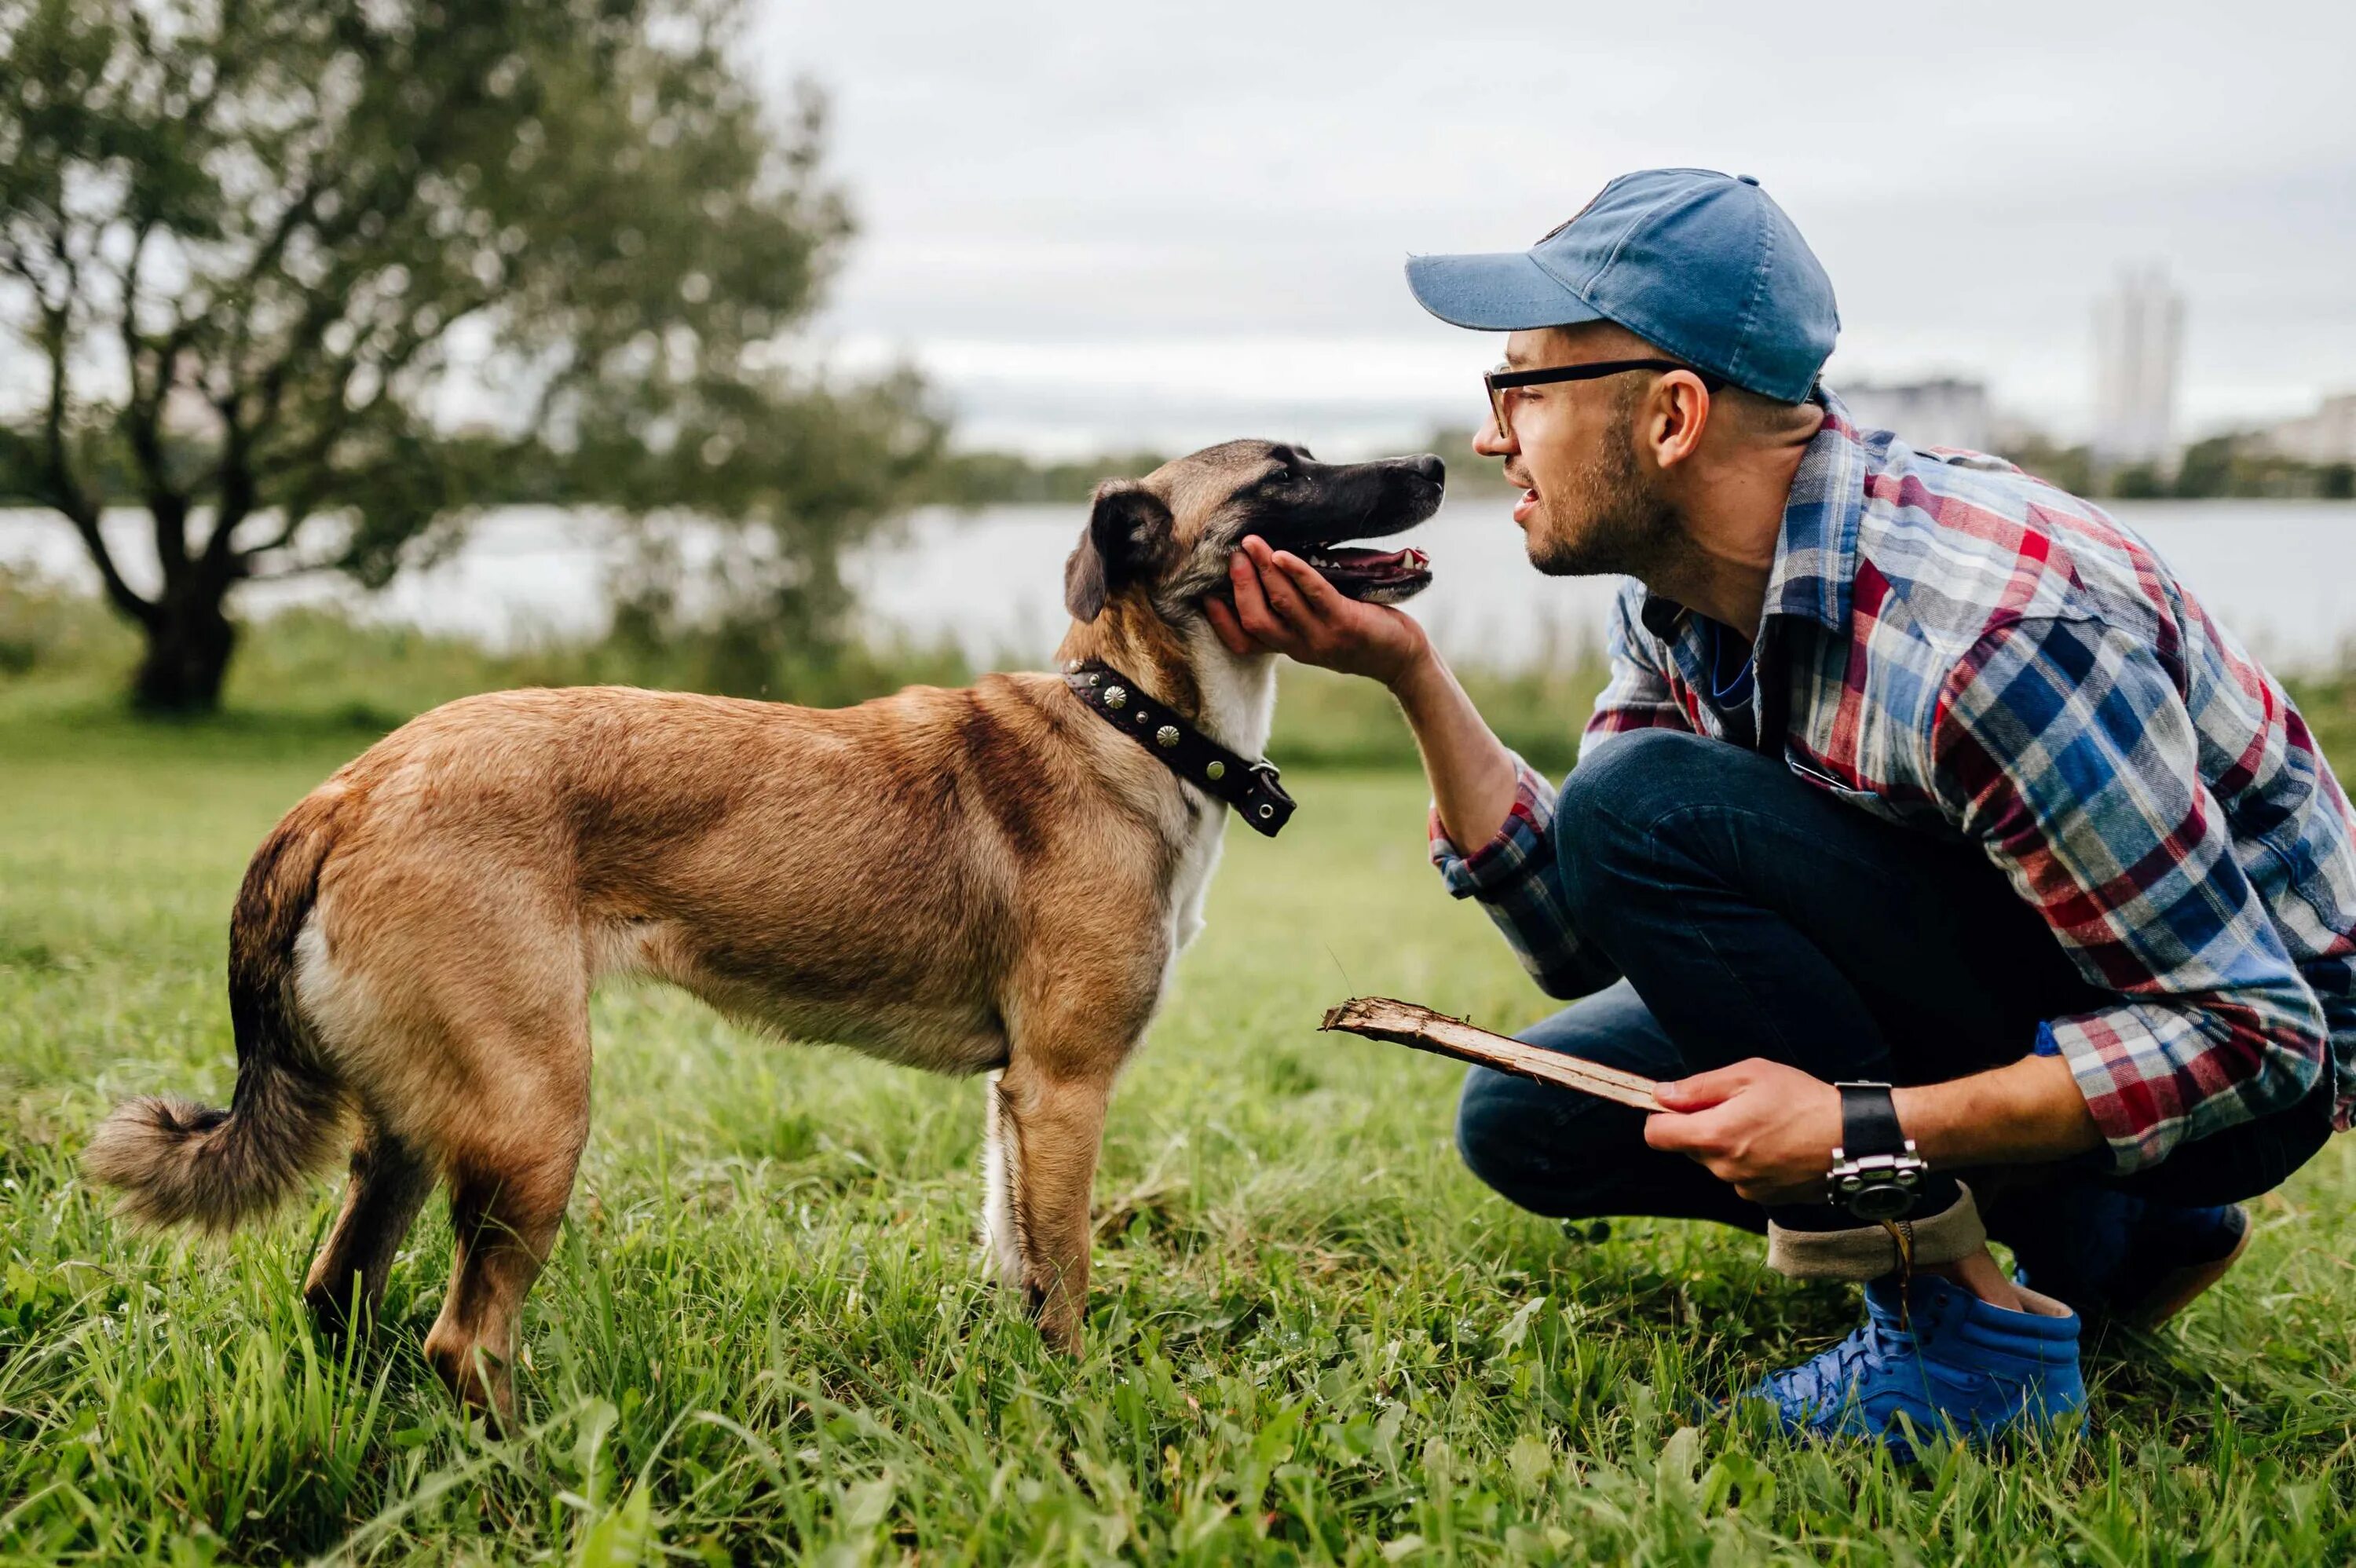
x=1882 y=1200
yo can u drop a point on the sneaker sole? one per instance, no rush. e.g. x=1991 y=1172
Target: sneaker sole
x=2180 y=1290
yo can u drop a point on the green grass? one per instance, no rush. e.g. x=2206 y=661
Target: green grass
x=1314 y=1338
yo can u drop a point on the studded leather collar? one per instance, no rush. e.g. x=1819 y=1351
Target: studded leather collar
x=1252 y=788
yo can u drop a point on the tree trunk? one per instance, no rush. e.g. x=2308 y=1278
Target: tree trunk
x=189 y=640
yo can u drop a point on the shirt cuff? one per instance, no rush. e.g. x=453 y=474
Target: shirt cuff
x=1519 y=847
x=2114 y=1059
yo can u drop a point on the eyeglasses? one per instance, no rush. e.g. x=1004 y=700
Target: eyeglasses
x=1501 y=380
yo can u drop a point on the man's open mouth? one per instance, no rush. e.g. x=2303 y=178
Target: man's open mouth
x=1372 y=576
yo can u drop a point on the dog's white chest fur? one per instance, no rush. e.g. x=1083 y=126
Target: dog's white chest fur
x=1239 y=707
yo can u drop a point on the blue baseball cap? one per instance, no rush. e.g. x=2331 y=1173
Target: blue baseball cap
x=1700 y=264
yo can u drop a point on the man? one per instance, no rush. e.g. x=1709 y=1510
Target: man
x=1912 y=771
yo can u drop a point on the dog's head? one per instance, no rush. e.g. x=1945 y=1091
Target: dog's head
x=1170 y=533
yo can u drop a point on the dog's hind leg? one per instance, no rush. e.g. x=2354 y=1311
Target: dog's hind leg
x=1046 y=1129
x=388 y=1184
x=509 y=1188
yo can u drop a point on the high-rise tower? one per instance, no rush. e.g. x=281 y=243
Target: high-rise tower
x=2138 y=343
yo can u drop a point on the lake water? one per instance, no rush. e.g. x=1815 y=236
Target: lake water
x=2282 y=574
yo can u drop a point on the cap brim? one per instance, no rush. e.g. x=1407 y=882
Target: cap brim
x=1502 y=291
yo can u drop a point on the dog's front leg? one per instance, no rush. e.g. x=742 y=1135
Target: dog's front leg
x=1042 y=1160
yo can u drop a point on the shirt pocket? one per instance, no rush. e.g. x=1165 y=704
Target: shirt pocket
x=1915 y=813
x=1823 y=780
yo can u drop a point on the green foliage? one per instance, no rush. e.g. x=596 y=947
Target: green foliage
x=2067 y=468
x=2238 y=466
x=763 y=1338
x=49 y=633
x=2328 y=703
x=2241 y=464
x=993 y=478
x=256 y=245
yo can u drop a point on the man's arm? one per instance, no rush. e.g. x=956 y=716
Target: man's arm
x=1484 y=798
x=2065 y=748
x=1769 y=1130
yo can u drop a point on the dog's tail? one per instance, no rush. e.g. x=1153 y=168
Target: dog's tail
x=178 y=1163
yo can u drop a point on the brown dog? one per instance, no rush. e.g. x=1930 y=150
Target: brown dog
x=971 y=880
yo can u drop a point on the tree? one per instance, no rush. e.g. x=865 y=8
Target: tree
x=261 y=247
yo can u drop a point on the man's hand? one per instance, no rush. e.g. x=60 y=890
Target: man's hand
x=1284 y=605
x=1768 y=1129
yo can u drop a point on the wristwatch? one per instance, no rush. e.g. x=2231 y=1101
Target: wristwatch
x=1875 y=1173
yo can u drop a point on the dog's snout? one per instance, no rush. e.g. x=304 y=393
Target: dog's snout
x=1428 y=465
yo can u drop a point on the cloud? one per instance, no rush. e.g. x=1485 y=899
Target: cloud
x=1972 y=176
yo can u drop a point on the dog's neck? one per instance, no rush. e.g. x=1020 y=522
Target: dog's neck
x=1185 y=667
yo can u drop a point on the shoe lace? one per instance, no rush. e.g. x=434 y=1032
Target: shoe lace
x=1833 y=1377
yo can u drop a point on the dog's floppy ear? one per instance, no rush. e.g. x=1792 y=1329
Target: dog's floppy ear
x=1122 y=520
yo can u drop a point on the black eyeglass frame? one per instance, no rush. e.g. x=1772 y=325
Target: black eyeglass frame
x=1505 y=380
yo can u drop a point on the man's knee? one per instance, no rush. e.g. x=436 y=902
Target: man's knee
x=1631 y=781
x=1609 y=811
x=1526 y=1142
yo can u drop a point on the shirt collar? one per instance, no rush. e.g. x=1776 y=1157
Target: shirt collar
x=1815 y=554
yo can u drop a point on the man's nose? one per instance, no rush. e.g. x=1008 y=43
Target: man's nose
x=1489 y=441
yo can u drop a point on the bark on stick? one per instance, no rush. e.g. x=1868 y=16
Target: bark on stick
x=1405 y=1023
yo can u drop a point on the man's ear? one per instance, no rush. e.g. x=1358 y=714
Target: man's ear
x=1122 y=520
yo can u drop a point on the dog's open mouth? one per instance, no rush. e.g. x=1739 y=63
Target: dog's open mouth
x=1321 y=505
x=1372 y=576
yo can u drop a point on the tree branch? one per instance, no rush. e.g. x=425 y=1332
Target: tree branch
x=1407 y=1023
x=143 y=416
x=65 y=490
x=310 y=459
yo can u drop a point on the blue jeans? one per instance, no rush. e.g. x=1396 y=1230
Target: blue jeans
x=1754 y=914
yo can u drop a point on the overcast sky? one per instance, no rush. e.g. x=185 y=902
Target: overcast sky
x=1109 y=223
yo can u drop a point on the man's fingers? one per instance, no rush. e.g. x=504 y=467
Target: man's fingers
x=1703 y=1090
x=1284 y=597
x=1230 y=631
x=1673 y=1134
x=1319 y=595
x=1252 y=599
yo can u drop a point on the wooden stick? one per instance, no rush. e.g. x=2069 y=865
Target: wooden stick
x=1405 y=1023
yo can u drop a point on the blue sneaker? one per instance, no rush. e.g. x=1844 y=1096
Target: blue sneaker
x=1948 y=1362
x=2113 y=1256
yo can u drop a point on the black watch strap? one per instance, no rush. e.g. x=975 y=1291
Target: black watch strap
x=1869 y=1121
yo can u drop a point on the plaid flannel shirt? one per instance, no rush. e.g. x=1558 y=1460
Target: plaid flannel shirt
x=1952 y=645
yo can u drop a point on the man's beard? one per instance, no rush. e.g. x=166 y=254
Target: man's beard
x=1628 y=529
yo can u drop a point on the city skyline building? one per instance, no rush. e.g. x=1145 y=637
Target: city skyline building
x=1939 y=410
x=2138 y=357
x=2326 y=435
